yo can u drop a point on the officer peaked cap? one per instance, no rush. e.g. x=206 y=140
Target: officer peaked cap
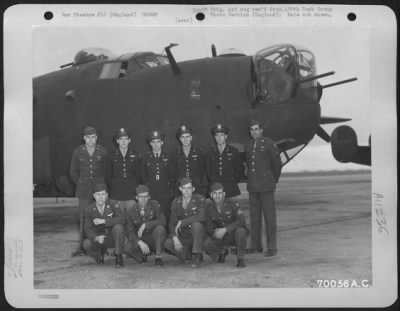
x=155 y=135
x=183 y=129
x=122 y=132
x=88 y=130
x=219 y=128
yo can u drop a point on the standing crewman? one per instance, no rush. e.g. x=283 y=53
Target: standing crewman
x=87 y=169
x=157 y=172
x=146 y=228
x=189 y=162
x=186 y=225
x=123 y=171
x=263 y=171
x=226 y=226
x=224 y=163
x=104 y=227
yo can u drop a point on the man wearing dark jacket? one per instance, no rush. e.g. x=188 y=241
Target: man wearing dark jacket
x=263 y=171
x=145 y=227
x=87 y=168
x=103 y=227
x=123 y=171
x=223 y=162
x=186 y=225
x=226 y=226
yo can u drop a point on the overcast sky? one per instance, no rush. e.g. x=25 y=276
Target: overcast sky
x=346 y=51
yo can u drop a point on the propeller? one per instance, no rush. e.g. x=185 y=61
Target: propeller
x=322 y=134
x=213 y=50
x=328 y=120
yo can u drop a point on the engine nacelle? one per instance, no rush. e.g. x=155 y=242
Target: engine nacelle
x=344 y=143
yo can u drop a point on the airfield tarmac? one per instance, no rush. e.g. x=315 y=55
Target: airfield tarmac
x=324 y=233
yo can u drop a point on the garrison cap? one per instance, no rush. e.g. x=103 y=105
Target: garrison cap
x=255 y=122
x=219 y=128
x=216 y=186
x=183 y=129
x=185 y=181
x=88 y=130
x=155 y=135
x=122 y=132
x=99 y=187
x=142 y=189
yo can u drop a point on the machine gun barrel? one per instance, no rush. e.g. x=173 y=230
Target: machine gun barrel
x=317 y=77
x=339 y=82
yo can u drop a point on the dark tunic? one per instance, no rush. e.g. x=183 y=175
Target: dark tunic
x=123 y=174
x=263 y=165
x=87 y=170
x=192 y=166
x=226 y=168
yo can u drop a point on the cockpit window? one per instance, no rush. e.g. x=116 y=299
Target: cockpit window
x=151 y=61
x=273 y=68
x=130 y=63
x=112 y=70
x=306 y=63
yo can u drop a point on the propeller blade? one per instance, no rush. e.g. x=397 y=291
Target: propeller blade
x=328 y=120
x=213 y=50
x=324 y=135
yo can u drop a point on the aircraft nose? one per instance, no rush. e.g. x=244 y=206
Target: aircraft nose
x=275 y=86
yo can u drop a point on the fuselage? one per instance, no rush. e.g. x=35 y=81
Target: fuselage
x=206 y=92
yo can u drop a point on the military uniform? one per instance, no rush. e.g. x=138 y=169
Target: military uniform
x=230 y=217
x=154 y=233
x=113 y=229
x=157 y=173
x=192 y=166
x=263 y=171
x=226 y=168
x=123 y=176
x=86 y=170
x=192 y=218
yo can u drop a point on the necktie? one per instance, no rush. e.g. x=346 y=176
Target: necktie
x=185 y=203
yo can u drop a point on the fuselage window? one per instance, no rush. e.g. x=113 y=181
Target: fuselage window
x=110 y=71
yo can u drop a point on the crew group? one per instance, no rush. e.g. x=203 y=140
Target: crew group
x=156 y=203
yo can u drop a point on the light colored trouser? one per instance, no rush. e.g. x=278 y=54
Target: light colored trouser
x=262 y=202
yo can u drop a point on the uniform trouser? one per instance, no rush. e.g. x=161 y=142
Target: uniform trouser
x=124 y=206
x=82 y=203
x=238 y=238
x=262 y=202
x=191 y=238
x=114 y=239
x=154 y=239
x=165 y=204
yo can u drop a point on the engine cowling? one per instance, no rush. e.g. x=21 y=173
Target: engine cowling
x=344 y=143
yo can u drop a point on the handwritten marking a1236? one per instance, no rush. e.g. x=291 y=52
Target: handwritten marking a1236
x=379 y=213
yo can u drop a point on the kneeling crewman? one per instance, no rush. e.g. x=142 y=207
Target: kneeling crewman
x=226 y=226
x=103 y=227
x=186 y=228
x=146 y=228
